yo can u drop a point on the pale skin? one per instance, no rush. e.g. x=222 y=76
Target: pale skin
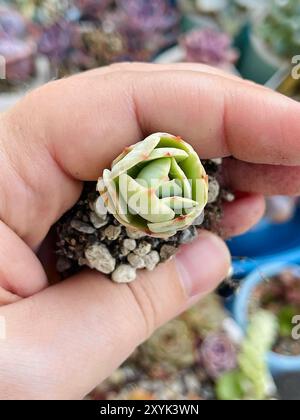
x=65 y=339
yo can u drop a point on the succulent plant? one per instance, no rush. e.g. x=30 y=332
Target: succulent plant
x=171 y=348
x=209 y=46
x=280 y=27
x=251 y=379
x=145 y=27
x=218 y=355
x=56 y=39
x=205 y=318
x=157 y=186
x=155 y=15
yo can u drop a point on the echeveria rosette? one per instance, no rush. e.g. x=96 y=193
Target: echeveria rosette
x=157 y=186
x=209 y=46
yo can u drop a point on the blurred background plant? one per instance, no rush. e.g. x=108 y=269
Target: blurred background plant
x=182 y=360
x=251 y=381
x=280 y=28
x=78 y=35
x=17 y=47
x=280 y=295
x=274 y=39
x=210 y=47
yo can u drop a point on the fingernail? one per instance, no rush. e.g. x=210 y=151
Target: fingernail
x=203 y=264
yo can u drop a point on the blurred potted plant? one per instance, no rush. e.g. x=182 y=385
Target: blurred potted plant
x=96 y=33
x=237 y=15
x=188 y=357
x=206 y=46
x=251 y=379
x=22 y=68
x=201 y=13
x=17 y=49
x=228 y=15
x=276 y=288
x=147 y=27
x=273 y=41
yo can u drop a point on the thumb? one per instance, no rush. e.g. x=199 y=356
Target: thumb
x=65 y=340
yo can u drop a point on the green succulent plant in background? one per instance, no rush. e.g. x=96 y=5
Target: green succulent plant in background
x=157 y=186
x=280 y=28
x=250 y=381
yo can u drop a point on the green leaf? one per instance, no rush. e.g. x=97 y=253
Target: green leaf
x=228 y=387
x=140 y=152
x=179 y=223
x=177 y=173
x=169 y=189
x=155 y=173
x=177 y=154
x=153 y=209
x=144 y=202
x=180 y=205
x=285 y=317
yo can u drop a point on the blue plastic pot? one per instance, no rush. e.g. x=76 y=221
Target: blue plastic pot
x=266 y=243
x=278 y=364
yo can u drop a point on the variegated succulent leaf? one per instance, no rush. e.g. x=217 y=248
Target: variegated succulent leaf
x=157 y=186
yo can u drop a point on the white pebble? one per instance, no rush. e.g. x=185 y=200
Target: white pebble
x=135 y=234
x=99 y=258
x=97 y=221
x=100 y=208
x=112 y=232
x=151 y=260
x=136 y=261
x=213 y=190
x=124 y=274
x=124 y=252
x=143 y=249
x=129 y=244
x=82 y=227
x=217 y=161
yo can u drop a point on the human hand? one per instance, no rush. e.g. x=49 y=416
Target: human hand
x=63 y=340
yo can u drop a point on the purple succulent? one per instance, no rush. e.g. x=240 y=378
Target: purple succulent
x=12 y=23
x=218 y=355
x=154 y=15
x=209 y=47
x=19 y=59
x=136 y=44
x=145 y=26
x=56 y=40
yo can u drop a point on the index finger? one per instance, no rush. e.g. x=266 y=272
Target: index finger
x=87 y=121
